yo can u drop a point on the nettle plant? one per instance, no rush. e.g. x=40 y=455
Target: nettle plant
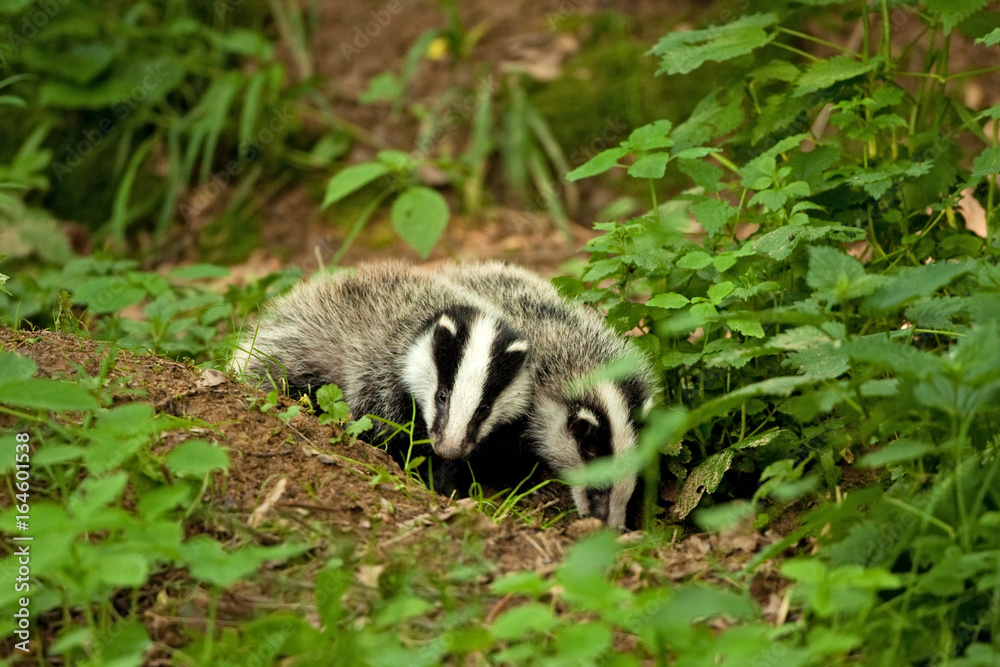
x=836 y=305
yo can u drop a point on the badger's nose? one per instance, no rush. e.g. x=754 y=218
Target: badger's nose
x=452 y=450
x=599 y=503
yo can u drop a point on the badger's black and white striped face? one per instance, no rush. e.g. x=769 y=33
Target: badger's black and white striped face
x=468 y=374
x=599 y=423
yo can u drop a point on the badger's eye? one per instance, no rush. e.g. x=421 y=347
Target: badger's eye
x=482 y=412
x=442 y=395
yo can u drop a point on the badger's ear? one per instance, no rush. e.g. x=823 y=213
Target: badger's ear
x=519 y=345
x=585 y=428
x=517 y=352
x=445 y=332
x=445 y=325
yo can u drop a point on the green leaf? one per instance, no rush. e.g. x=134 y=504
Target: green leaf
x=598 y=164
x=746 y=326
x=876 y=181
x=96 y=492
x=668 y=300
x=330 y=399
x=200 y=271
x=713 y=215
x=122 y=644
x=45 y=394
x=653 y=165
x=196 y=458
x=719 y=291
x=359 y=426
x=911 y=283
x=209 y=562
x=420 y=216
x=351 y=179
x=161 y=500
x=824 y=73
x=833 y=270
x=953 y=12
x=771 y=200
x=402 y=608
x=986 y=163
x=521 y=583
x=897 y=451
x=992 y=38
x=383 y=86
x=720 y=112
x=15 y=368
x=582 y=643
x=683 y=52
x=780 y=243
x=530 y=618
x=695 y=260
x=122 y=569
x=107 y=294
x=649 y=137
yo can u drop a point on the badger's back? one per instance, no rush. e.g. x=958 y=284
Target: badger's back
x=350 y=329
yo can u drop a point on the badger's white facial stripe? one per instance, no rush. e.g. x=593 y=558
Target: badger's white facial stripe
x=518 y=346
x=647 y=405
x=623 y=439
x=467 y=392
x=447 y=323
x=552 y=439
x=420 y=375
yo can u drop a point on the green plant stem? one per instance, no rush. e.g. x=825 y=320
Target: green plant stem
x=21 y=415
x=210 y=614
x=800 y=52
x=866 y=25
x=923 y=515
x=356 y=228
x=886 y=46
x=652 y=198
x=817 y=40
x=725 y=162
x=970 y=73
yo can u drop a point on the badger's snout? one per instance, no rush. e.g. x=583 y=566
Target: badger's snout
x=450 y=448
x=599 y=503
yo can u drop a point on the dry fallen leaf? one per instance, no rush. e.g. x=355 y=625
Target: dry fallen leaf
x=973 y=212
x=262 y=510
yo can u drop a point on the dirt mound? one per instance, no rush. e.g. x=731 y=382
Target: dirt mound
x=332 y=481
x=356 y=490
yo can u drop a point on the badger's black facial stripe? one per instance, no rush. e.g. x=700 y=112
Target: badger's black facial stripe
x=448 y=343
x=507 y=355
x=591 y=430
x=634 y=395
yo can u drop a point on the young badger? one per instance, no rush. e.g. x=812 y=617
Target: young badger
x=570 y=421
x=386 y=333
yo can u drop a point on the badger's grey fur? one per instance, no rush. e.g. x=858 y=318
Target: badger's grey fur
x=385 y=333
x=572 y=420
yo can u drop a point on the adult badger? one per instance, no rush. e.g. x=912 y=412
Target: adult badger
x=385 y=333
x=574 y=418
